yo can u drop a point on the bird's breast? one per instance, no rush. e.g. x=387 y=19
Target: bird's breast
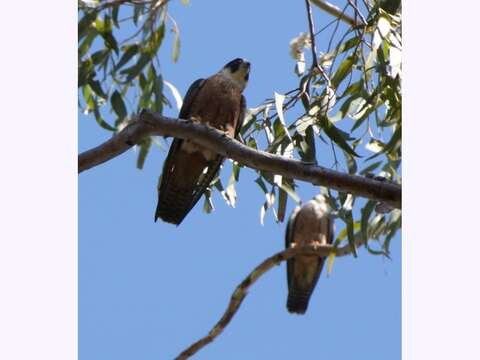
x=217 y=105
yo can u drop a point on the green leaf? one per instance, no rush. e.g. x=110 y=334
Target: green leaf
x=279 y=99
x=330 y=260
x=104 y=27
x=347 y=45
x=137 y=12
x=97 y=88
x=252 y=143
x=100 y=121
x=154 y=41
x=158 y=92
x=348 y=105
x=365 y=216
x=336 y=135
x=308 y=146
x=87 y=42
x=208 y=203
x=350 y=232
x=343 y=70
x=129 y=52
x=100 y=56
x=395 y=224
x=133 y=71
x=395 y=141
x=86 y=71
x=371 y=167
x=88 y=98
x=84 y=24
x=115 y=11
x=142 y=81
x=217 y=183
x=375 y=145
x=176 y=45
x=176 y=48
x=355 y=88
x=145 y=145
x=230 y=193
x=270 y=200
x=282 y=204
x=390 y=6
x=288 y=186
x=110 y=41
x=262 y=185
x=118 y=105
x=351 y=163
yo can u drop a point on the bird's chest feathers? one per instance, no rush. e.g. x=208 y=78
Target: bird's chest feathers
x=217 y=105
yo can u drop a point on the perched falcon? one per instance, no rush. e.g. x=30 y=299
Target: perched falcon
x=309 y=225
x=188 y=170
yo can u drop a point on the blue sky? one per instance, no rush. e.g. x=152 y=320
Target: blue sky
x=148 y=290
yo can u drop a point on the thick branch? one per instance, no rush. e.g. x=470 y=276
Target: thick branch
x=149 y=123
x=241 y=291
x=335 y=11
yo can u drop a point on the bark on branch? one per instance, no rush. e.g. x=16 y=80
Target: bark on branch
x=242 y=290
x=149 y=123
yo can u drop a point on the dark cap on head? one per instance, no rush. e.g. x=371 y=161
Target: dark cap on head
x=235 y=64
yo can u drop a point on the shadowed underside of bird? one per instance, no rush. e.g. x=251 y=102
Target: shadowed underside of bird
x=189 y=169
x=308 y=225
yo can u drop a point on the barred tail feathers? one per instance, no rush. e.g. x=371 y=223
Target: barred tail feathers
x=297 y=301
x=178 y=184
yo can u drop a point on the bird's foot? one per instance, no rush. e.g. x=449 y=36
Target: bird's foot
x=316 y=244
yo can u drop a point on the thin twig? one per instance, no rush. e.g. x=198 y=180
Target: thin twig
x=357 y=12
x=241 y=290
x=311 y=28
x=325 y=27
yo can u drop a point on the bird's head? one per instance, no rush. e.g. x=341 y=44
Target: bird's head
x=238 y=71
x=320 y=201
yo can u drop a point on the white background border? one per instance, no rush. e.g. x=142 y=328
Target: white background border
x=38 y=186
x=441 y=242
x=38 y=181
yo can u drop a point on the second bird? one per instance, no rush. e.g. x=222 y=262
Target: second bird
x=311 y=224
x=189 y=168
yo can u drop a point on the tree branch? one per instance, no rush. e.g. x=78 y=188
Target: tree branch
x=335 y=11
x=149 y=123
x=241 y=290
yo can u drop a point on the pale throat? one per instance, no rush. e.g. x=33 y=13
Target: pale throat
x=237 y=78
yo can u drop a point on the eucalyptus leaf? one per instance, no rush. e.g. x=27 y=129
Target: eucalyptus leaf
x=129 y=52
x=336 y=135
x=133 y=71
x=343 y=70
x=118 y=105
x=282 y=204
x=145 y=146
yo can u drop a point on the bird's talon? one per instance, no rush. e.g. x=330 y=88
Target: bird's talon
x=316 y=244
